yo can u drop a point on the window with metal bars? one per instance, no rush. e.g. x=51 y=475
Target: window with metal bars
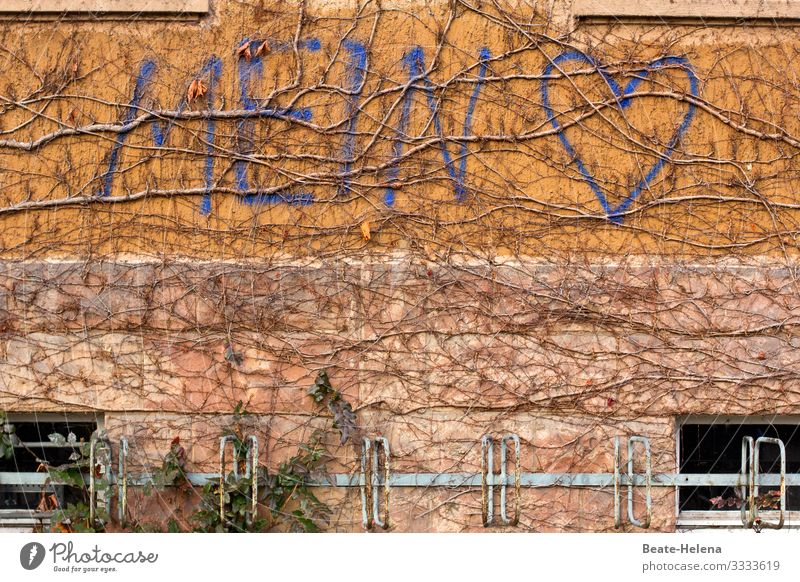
x=713 y=445
x=29 y=453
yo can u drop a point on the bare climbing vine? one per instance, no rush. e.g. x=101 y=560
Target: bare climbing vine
x=439 y=220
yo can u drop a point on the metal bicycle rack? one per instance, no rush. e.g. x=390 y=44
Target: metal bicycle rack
x=489 y=479
x=122 y=482
x=375 y=479
x=755 y=479
x=371 y=479
x=747 y=470
x=630 y=480
x=96 y=443
x=750 y=472
x=251 y=472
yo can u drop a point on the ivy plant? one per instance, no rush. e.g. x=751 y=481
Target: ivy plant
x=172 y=472
x=343 y=416
x=76 y=516
x=288 y=501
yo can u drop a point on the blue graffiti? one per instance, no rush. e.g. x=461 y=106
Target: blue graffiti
x=215 y=70
x=624 y=97
x=251 y=70
x=415 y=60
x=211 y=69
x=356 y=72
x=146 y=72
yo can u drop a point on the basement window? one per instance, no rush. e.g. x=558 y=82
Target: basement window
x=713 y=445
x=28 y=494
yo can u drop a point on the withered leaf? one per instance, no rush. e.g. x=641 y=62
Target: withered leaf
x=365 y=230
x=47 y=502
x=196 y=89
x=244 y=51
x=262 y=49
x=343 y=417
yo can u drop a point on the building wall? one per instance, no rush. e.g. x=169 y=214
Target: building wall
x=542 y=255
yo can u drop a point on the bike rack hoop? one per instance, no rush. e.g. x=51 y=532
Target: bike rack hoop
x=755 y=476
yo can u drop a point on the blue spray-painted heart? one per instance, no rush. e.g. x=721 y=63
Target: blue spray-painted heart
x=624 y=97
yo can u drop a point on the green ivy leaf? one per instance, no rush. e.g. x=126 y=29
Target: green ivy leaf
x=307 y=524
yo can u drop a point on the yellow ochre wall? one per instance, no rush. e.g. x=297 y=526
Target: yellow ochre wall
x=725 y=151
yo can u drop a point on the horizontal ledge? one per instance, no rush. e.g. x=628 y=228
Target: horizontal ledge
x=697 y=22
x=558 y=480
x=475 y=480
x=689 y=9
x=728 y=518
x=33 y=7
x=687 y=519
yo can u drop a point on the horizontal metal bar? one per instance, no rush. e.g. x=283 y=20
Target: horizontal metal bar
x=39 y=479
x=24 y=514
x=659 y=480
x=728 y=518
x=46 y=445
x=559 y=480
x=474 y=479
x=539 y=480
x=9 y=478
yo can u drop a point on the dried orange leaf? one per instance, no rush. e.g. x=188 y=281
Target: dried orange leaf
x=365 y=231
x=47 y=503
x=262 y=49
x=196 y=89
x=244 y=51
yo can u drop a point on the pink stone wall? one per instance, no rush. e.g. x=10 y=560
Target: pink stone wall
x=431 y=357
